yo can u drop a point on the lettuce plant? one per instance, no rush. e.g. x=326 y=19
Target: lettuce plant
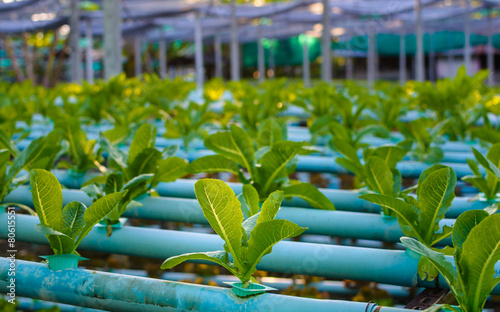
x=65 y=227
x=41 y=153
x=476 y=241
x=419 y=218
x=247 y=241
x=490 y=184
x=426 y=138
x=139 y=171
x=267 y=168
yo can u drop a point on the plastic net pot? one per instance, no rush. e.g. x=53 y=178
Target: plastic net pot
x=252 y=289
x=491 y=201
x=63 y=262
x=118 y=225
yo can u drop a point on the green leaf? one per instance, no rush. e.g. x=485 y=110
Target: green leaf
x=391 y=154
x=270 y=132
x=464 y=224
x=170 y=169
x=486 y=163
x=213 y=163
x=480 y=253
x=45 y=229
x=270 y=207
x=223 y=211
x=435 y=155
x=435 y=195
x=170 y=151
x=114 y=183
x=406 y=214
x=309 y=193
x=436 y=258
x=144 y=139
x=97 y=211
x=72 y=217
x=474 y=167
x=219 y=257
x=145 y=162
x=379 y=177
x=263 y=237
x=235 y=145
x=251 y=199
x=47 y=198
x=114 y=153
x=118 y=134
x=354 y=167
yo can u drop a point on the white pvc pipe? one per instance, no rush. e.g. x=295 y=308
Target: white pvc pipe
x=402 y=57
x=89 y=69
x=420 y=70
x=198 y=42
x=326 y=65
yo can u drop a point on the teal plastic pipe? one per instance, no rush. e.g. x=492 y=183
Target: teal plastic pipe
x=28 y=304
x=324 y=222
x=331 y=261
x=115 y=292
x=345 y=200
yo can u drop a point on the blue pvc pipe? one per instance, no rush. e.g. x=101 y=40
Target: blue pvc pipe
x=336 y=262
x=28 y=304
x=324 y=222
x=115 y=292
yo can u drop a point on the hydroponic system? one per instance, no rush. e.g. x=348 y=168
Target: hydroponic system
x=209 y=183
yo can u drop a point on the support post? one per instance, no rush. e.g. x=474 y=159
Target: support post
x=371 y=58
x=260 y=56
x=76 y=53
x=306 y=72
x=272 y=65
x=198 y=42
x=137 y=56
x=349 y=61
x=326 y=65
x=467 y=48
x=402 y=56
x=163 y=55
x=432 y=59
x=490 y=58
x=235 y=51
x=112 y=38
x=89 y=62
x=420 y=71
x=218 y=55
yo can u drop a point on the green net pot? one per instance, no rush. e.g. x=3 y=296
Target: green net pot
x=118 y=225
x=491 y=201
x=63 y=262
x=251 y=290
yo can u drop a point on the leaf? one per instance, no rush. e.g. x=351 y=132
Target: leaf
x=170 y=151
x=97 y=211
x=114 y=183
x=251 y=197
x=170 y=169
x=144 y=139
x=309 y=193
x=353 y=167
x=391 y=154
x=263 y=237
x=145 y=162
x=486 y=163
x=118 y=134
x=223 y=212
x=213 y=163
x=406 y=214
x=72 y=217
x=47 y=198
x=45 y=229
x=235 y=145
x=474 y=167
x=437 y=259
x=270 y=207
x=114 y=153
x=435 y=155
x=480 y=253
x=270 y=132
x=220 y=257
x=379 y=177
x=464 y=224
x=435 y=195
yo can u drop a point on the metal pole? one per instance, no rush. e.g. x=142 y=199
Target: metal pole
x=420 y=70
x=326 y=65
x=467 y=48
x=306 y=71
x=349 y=61
x=260 y=56
x=432 y=59
x=235 y=53
x=218 y=55
x=89 y=68
x=402 y=56
x=137 y=56
x=371 y=58
x=76 y=53
x=112 y=38
x=163 y=55
x=198 y=42
x=491 y=60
